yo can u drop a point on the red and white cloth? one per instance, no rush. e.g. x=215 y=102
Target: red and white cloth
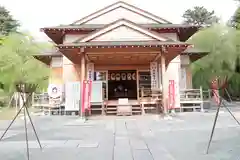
x=215 y=91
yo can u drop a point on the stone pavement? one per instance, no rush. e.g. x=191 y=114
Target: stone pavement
x=148 y=137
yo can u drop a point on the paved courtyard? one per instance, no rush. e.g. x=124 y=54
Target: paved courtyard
x=148 y=137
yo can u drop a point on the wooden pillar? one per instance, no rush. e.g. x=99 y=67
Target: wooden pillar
x=82 y=77
x=164 y=84
x=189 y=77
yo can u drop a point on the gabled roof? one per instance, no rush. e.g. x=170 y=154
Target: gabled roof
x=122 y=22
x=122 y=5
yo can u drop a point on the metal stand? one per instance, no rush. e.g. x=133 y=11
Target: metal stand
x=228 y=95
x=221 y=104
x=26 y=114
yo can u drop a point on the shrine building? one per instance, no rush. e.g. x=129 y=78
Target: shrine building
x=131 y=56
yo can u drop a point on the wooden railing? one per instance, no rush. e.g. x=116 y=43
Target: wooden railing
x=150 y=99
x=191 y=95
x=150 y=93
x=47 y=105
x=194 y=98
x=40 y=99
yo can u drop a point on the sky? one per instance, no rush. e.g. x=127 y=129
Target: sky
x=35 y=14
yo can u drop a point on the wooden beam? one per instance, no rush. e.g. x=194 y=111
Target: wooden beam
x=163 y=49
x=122 y=53
x=123 y=50
x=87 y=58
x=82 y=50
x=140 y=53
x=164 y=84
x=157 y=57
x=83 y=76
x=121 y=66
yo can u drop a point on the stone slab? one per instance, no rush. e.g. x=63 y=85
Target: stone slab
x=142 y=155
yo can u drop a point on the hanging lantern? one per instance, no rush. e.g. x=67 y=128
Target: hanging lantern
x=129 y=76
x=118 y=77
x=123 y=76
x=112 y=76
x=134 y=76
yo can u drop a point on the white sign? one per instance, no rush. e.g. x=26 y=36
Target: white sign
x=90 y=71
x=54 y=91
x=122 y=101
x=72 y=96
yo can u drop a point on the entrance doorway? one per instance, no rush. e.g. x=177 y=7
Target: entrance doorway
x=122 y=84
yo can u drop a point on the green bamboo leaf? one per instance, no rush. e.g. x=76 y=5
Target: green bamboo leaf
x=18 y=64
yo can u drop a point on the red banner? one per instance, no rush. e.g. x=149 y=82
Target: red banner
x=86 y=95
x=215 y=91
x=89 y=94
x=216 y=96
x=171 y=94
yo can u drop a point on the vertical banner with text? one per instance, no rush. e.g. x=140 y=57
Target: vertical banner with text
x=171 y=94
x=86 y=95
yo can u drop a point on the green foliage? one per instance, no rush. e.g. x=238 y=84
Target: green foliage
x=222 y=43
x=200 y=16
x=235 y=20
x=7 y=23
x=17 y=63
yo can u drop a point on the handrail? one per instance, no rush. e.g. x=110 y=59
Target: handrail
x=40 y=98
x=150 y=92
x=191 y=94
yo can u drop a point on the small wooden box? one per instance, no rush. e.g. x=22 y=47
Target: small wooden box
x=123 y=107
x=123 y=110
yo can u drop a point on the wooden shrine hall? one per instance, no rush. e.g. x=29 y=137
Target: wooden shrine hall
x=137 y=61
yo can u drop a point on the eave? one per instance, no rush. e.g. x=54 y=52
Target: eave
x=99 y=26
x=124 y=44
x=171 y=49
x=57 y=33
x=195 y=53
x=46 y=57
